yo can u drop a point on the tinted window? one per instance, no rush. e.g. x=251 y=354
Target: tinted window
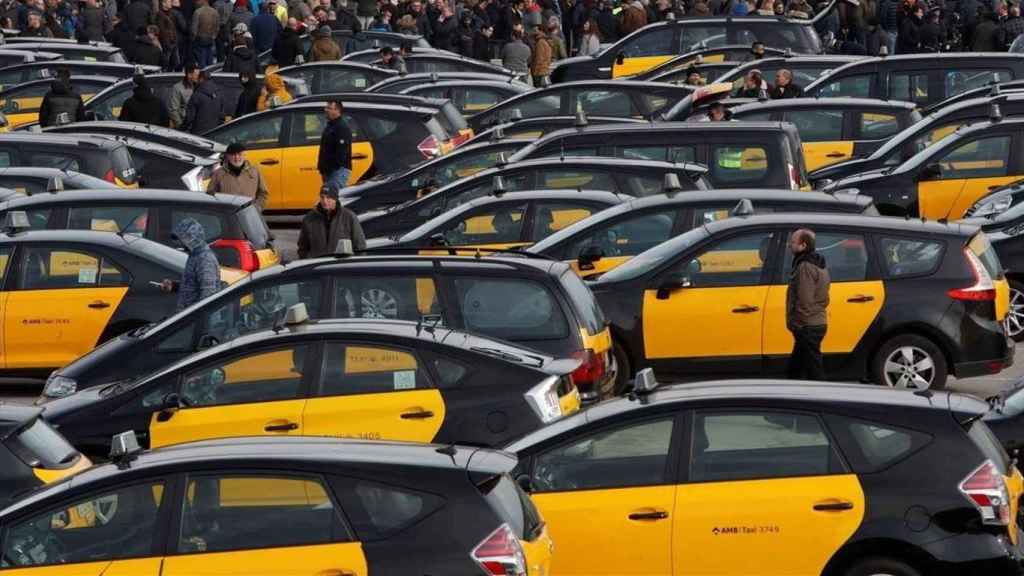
x=51 y=268
x=569 y=178
x=958 y=81
x=306 y=129
x=117 y=524
x=466 y=165
x=605 y=103
x=510 y=308
x=661 y=153
x=909 y=86
x=752 y=445
x=654 y=43
x=122 y=219
x=737 y=261
x=213 y=227
x=534 y=105
x=817 y=125
x=626 y=237
x=472 y=100
x=261 y=377
x=24 y=100
x=845 y=254
x=512 y=505
x=338 y=80
x=632 y=455
x=256 y=309
x=378 y=510
x=243 y=512
x=856 y=86
x=875 y=446
x=357 y=369
x=982 y=248
x=550 y=218
x=983 y=158
x=498 y=224
x=58 y=160
x=908 y=257
x=583 y=302
x=389 y=297
x=733 y=165
x=876 y=125
x=262 y=133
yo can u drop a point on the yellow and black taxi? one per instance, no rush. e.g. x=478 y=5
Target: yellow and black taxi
x=367 y=379
x=625 y=98
x=709 y=72
x=21 y=103
x=190 y=143
x=835 y=129
x=613 y=236
x=948 y=177
x=805 y=69
x=336 y=76
x=28 y=180
x=737 y=154
x=776 y=477
x=631 y=177
x=10 y=57
x=531 y=302
x=232 y=224
x=283 y=143
x=919 y=136
x=18 y=73
x=992 y=90
x=469 y=96
x=504 y=221
x=103 y=158
x=1004 y=226
x=911 y=302
x=923 y=79
x=734 y=53
x=32 y=453
x=396 y=84
x=78 y=51
x=281 y=505
x=535 y=127
x=658 y=43
x=160 y=166
x=74 y=289
x=422 y=179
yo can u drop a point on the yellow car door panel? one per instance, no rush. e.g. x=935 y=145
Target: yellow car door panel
x=362 y=160
x=202 y=423
x=951 y=198
x=300 y=178
x=735 y=312
x=853 y=307
x=268 y=161
x=819 y=154
x=137 y=567
x=637 y=64
x=344 y=559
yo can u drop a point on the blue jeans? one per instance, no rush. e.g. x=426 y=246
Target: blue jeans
x=339 y=178
x=891 y=41
x=202 y=51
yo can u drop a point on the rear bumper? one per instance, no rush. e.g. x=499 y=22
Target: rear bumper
x=976 y=555
x=986 y=367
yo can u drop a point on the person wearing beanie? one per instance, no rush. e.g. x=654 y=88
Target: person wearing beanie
x=326 y=224
x=324 y=47
x=239 y=177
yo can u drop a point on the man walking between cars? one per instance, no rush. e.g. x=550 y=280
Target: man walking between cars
x=326 y=224
x=237 y=176
x=807 y=307
x=335 y=157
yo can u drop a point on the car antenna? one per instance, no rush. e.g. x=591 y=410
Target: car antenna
x=449 y=451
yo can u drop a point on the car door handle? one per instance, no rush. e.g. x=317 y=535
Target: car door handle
x=648 y=515
x=860 y=299
x=336 y=573
x=359 y=156
x=269 y=162
x=99 y=304
x=604 y=69
x=280 y=426
x=417 y=415
x=834 y=155
x=745 y=309
x=833 y=506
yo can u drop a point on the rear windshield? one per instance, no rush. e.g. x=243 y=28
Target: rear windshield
x=40 y=446
x=989 y=446
x=583 y=302
x=513 y=506
x=123 y=166
x=980 y=246
x=253 y=227
x=161 y=254
x=510 y=309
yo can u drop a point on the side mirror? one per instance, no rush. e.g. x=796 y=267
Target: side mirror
x=437 y=240
x=620 y=59
x=930 y=172
x=435 y=211
x=171 y=402
x=591 y=253
x=207 y=341
x=525 y=482
x=90 y=116
x=674 y=281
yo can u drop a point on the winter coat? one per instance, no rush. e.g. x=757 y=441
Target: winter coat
x=169 y=23
x=335 y=148
x=240 y=15
x=147 y=53
x=540 y=65
x=60 y=100
x=788 y=91
x=557 y=47
x=988 y=37
x=287 y=47
x=248 y=100
x=807 y=294
x=246 y=182
x=516 y=57
x=138 y=14
x=446 y=35
x=889 y=14
x=324 y=49
x=633 y=19
x=321 y=232
x=205 y=109
x=241 y=58
x=201 y=277
x=205 y=23
x=909 y=39
x=481 y=47
x=93 y=24
x=144 y=107
x=178 y=103
x=265 y=29
x=589 y=45
x=276 y=93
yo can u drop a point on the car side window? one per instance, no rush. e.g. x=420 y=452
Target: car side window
x=871 y=446
x=54 y=268
x=497 y=224
x=605 y=103
x=378 y=510
x=533 y=105
x=982 y=158
x=856 y=86
x=739 y=164
x=239 y=512
x=264 y=376
x=665 y=153
x=749 y=445
x=909 y=256
x=817 y=125
x=39 y=218
x=909 y=86
x=474 y=99
x=253 y=310
x=877 y=125
x=626 y=237
x=52 y=160
x=306 y=129
x=552 y=217
x=636 y=454
x=399 y=297
x=120 y=219
x=213 y=225
x=510 y=308
x=657 y=42
x=352 y=369
x=262 y=133
x=576 y=179
x=736 y=261
x=5 y=159
x=118 y=524
x=5 y=258
x=959 y=81
x=340 y=80
x=846 y=256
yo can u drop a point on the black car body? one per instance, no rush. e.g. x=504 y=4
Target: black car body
x=10 y=57
x=190 y=143
x=324 y=77
x=469 y=96
x=397 y=84
x=28 y=181
x=738 y=53
x=533 y=128
x=19 y=73
x=441 y=61
x=161 y=166
x=629 y=177
x=709 y=73
x=92 y=155
x=805 y=69
x=77 y=52
x=628 y=99
x=20 y=103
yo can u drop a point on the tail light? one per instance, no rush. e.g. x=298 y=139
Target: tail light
x=247 y=258
x=544 y=400
x=109 y=176
x=794 y=177
x=986 y=489
x=501 y=554
x=983 y=288
x=429 y=147
x=590 y=372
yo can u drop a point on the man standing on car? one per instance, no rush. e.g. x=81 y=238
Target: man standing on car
x=807 y=307
x=326 y=224
x=335 y=159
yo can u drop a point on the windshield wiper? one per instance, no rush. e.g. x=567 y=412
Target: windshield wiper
x=507 y=355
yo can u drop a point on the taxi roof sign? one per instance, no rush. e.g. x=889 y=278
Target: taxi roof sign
x=644 y=382
x=123 y=446
x=296 y=314
x=15 y=221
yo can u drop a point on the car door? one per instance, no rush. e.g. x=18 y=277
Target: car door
x=263 y=138
x=373 y=391
x=873 y=128
x=262 y=523
x=956 y=177
x=821 y=131
x=912 y=86
x=63 y=295
x=784 y=500
x=618 y=240
x=116 y=532
x=644 y=51
x=608 y=498
x=724 y=285
x=856 y=295
x=300 y=157
x=253 y=392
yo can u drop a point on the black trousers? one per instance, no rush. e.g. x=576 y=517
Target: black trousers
x=805 y=363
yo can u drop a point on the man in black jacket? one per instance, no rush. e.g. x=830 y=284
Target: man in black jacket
x=249 y=99
x=288 y=45
x=326 y=224
x=335 y=158
x=205 y=109
x=143 y=106
x=61 y=105
x=784 y=87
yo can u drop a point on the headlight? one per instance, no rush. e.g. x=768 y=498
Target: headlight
x=543 y=398
x=991 y=206
x=59 y=386
x=191 y=179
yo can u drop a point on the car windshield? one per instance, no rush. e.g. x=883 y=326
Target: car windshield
x=578 y=226
x=927 y=152
x=651 y=259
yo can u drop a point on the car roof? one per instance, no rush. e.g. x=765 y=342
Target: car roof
x=348 y=106
x=99 y=238
x=335 y=64
x=37 y=172
x=983 y=125
x=690 y=167
x=910 y=59
x=135 y=196
x=373 y=260
x=43 y=44
x=64 y=139
x=416 y=76
x=755 y=195
x=673 y=127
x=604 y=84
x=446 y=82
x=133 y=127
x=912 y=225
x=838 y=102
x=74 y=77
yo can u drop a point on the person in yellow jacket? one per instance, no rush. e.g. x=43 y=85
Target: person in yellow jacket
x=274 y=93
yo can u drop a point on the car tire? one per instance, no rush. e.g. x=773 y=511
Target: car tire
x=910 y=361
x=882 y=567
x=1015 y=315
x=623 y=370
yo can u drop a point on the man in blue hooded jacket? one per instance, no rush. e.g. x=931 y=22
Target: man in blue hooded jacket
x=201 y=277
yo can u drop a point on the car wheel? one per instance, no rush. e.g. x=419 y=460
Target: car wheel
x=622 y=368
x=378 y=303
x=1015 y=315
x=882 y=567
x=910 y=361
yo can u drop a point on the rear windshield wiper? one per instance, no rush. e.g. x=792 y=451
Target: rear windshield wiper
x=507 y=355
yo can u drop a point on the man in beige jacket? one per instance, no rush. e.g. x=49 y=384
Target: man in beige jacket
x=807 y=307
x=237 y=176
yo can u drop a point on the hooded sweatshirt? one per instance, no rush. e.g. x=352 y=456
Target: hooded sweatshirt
x=807 y=296
x=201 y=277
x=276 y=93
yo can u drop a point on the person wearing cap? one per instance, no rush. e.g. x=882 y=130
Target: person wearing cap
x=334 y=161
x=241 y=54
x=241 y=14
x=324 y=47
x=326 y=224
x=239 y=177
x=143 y=106
x=61 y=105
x=392 y=61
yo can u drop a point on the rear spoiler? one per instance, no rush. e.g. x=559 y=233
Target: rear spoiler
x=967 y=409
x=485 y=464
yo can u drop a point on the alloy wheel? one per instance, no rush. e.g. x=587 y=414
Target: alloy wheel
x=1015 y=315
x=378 y=303
x=909 y=367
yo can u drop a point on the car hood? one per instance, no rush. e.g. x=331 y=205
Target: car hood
x=90 y=364
x=838 y=170
x=358 y=190
x=55 y=411
x=858 y=179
